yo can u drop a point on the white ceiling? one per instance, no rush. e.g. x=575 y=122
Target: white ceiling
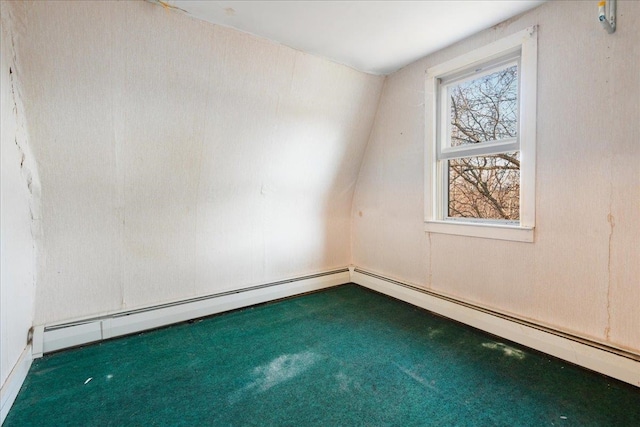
x=373 y=36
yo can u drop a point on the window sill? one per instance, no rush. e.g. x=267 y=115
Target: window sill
x=485 y=231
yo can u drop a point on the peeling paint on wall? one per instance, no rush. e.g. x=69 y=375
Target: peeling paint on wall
x=20 y=206
x=167 y=5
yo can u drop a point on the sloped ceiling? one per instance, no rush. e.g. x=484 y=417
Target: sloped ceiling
x=377 y=37
x=179 y=158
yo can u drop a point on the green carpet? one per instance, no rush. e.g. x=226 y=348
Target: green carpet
x=345 y=356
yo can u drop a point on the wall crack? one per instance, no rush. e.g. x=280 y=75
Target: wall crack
x=612 y=224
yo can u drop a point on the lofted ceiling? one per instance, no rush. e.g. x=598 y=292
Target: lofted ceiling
x=376 y=37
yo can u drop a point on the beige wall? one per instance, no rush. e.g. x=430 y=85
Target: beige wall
x=582 y=274
x=179 y=158
x=19 y=210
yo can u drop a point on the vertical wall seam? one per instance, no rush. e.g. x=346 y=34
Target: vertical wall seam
x=120 y=183
x=123 y=275
x=200 y=161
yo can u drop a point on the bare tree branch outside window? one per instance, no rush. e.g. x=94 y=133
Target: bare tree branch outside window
x=485 y=110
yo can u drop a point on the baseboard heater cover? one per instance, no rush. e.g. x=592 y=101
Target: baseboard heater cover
x=50 y=338
x=607 y=360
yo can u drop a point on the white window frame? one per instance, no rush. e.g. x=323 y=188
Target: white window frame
x=521 y=47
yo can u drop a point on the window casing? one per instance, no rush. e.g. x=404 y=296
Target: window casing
x=480 y=141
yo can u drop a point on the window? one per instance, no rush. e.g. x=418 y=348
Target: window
x=480 y=136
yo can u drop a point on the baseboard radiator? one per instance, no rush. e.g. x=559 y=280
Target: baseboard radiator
x=54 y=337
x=614 y=362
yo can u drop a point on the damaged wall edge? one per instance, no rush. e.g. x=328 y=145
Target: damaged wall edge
x=21 y=219
x=28 y=163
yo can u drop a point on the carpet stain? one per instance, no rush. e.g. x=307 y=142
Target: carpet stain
x=433 y=333
x=506 y=350
x=428 y=384
x=279 y=370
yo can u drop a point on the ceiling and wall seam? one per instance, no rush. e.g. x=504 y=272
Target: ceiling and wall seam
x=374 y=37
x=172 y=9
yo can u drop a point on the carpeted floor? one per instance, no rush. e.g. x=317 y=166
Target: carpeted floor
x=345 y=356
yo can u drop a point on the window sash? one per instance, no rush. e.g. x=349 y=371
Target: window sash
x=444 y=150
x=444 y=183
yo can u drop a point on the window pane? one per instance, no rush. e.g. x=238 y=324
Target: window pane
x=484 y=109
x=486 y=187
